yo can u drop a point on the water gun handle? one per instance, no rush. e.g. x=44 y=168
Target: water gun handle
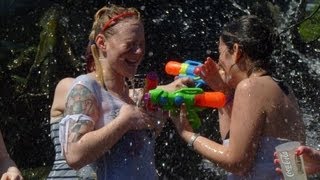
x=151 y=82
x=194 y=119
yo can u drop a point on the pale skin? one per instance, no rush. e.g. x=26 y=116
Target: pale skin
x=59 y=100
x=119 y=55
x=259 y=109
x=8 y=168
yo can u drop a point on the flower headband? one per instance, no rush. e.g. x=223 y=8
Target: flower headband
x=114 y=19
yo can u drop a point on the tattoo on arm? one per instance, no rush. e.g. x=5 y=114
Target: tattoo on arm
x=78 y=129
x=81 y=101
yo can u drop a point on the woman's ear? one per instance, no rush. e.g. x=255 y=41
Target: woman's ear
x=237 y=52
x=101 y=42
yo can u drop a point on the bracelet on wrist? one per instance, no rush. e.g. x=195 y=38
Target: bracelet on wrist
x=192 y=140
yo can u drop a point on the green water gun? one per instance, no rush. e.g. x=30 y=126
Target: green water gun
x=195 y=100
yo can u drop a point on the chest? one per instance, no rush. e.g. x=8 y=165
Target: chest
x=109 y=108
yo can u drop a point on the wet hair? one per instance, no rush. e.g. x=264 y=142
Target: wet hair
x=105 y=14
x=104 y=21
x=254 y=37
x=89 y=58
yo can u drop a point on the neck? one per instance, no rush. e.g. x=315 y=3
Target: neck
x=113 y=84
x=258 y=73
x=117 y=87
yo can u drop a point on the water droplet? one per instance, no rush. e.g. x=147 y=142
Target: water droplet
x=150 y=53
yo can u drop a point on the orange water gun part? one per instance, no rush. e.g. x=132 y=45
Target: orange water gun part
x=210 y=99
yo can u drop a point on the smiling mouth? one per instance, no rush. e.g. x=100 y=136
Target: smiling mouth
x=131 y=62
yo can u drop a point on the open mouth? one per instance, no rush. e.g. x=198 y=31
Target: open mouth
x=131 y=62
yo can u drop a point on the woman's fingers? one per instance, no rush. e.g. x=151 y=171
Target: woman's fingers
x=183 y=113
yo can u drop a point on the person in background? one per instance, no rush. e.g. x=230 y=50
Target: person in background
x=60 y=168
x=261 y=111
x=311 y=159
x=8 y=168
x=102 y=123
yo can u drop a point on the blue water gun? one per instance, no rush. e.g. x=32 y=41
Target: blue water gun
x=187 y=69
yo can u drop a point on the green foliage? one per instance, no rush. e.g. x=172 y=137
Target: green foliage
x=28 y=74
x=39 y=173
x=310 y=29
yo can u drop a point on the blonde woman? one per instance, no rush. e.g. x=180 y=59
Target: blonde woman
x=102 y=122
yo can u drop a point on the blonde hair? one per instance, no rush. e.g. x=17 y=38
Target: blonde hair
x=103 y=16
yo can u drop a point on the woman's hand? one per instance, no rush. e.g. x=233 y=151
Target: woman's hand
x=160 y=117
x=212 y=74
x=12 y=174
x=180 y=121
x=177 y=84
x=311 y=159
x=136 y=117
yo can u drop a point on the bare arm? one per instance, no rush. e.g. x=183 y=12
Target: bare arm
x=59 y=99
x=245 y=126
x=247 y=121
x=8 y=168
x=86 y=144
x=213 y=76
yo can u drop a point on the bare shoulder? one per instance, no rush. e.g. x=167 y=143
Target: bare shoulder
x=249 y=85
x=64 y=85
x=59 y=99
x=255 y=92
x=257 y=85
